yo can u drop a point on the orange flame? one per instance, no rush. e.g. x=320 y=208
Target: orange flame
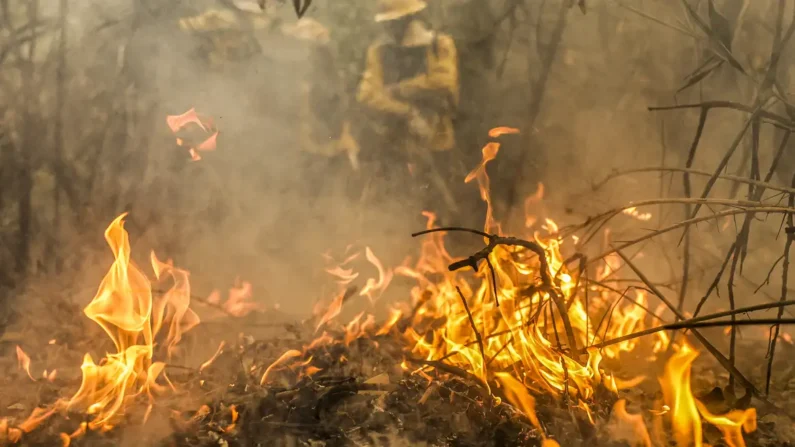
x=284 y=357
x=628 y=427
x=23 y=360
x=127 y=312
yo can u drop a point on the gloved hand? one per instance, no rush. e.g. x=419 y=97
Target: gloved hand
x=419 y=126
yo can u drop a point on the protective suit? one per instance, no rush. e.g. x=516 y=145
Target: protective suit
x=415 y=79
x=410 y=93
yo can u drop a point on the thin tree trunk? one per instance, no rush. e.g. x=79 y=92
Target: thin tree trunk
x=58 y=143
x=537 y=94
x=25 y=153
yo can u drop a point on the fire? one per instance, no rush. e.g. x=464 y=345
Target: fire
x=628 y=427
x=686 y=412
x=520 y=325
x=132 y=317
x=23 y=360
x=509 y=333
x=239 y=301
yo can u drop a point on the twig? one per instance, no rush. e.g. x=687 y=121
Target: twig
x=714 y=351
x=474 y=328
x=450 y=369
x=733 y=323
x=666 y=327
x=781 y=121
x=716 y=281
x=726 y=157
x=732 y=212
x=733 y=333
x=784 y=280
x=733 y=178
x=656 y=20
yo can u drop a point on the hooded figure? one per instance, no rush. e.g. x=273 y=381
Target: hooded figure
x=410 y=87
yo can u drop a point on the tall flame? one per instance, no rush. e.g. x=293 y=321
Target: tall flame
x=125 y=309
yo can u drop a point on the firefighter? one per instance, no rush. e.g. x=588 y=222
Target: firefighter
x=226 y=34
x=410 y=89
x=324 y=138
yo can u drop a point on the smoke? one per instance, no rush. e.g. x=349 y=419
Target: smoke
x=261 y=209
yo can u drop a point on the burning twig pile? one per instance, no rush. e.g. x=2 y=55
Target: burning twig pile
x=525 y=351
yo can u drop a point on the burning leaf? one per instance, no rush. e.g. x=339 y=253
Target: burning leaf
x=177 y=122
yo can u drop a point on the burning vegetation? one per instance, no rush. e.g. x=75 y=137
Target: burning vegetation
x=533 y=330
x=514 y=345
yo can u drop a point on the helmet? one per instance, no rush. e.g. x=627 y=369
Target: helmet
x=395 y=9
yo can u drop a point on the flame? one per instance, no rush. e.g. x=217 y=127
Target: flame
x=678 y=396
x=373 y=288
x=283 y=358
x=489 y=151
x=633 y=212
x=628 y=427
x=517 y=395
x=209 y=362
x=239 y=301
x=686 y=412
x=126 y=310
x=23 y=360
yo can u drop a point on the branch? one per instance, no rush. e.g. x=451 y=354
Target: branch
x=474 y=328
x=679 y=315
x=781 y=121
x=733 y=178
x=544 y=270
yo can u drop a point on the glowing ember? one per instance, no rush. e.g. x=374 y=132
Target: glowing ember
x=632 y=211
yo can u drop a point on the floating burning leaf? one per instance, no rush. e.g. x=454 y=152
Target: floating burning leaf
x=178 y=122
x=499 y=131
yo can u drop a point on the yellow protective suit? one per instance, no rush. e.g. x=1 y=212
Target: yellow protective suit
x=432 y=94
